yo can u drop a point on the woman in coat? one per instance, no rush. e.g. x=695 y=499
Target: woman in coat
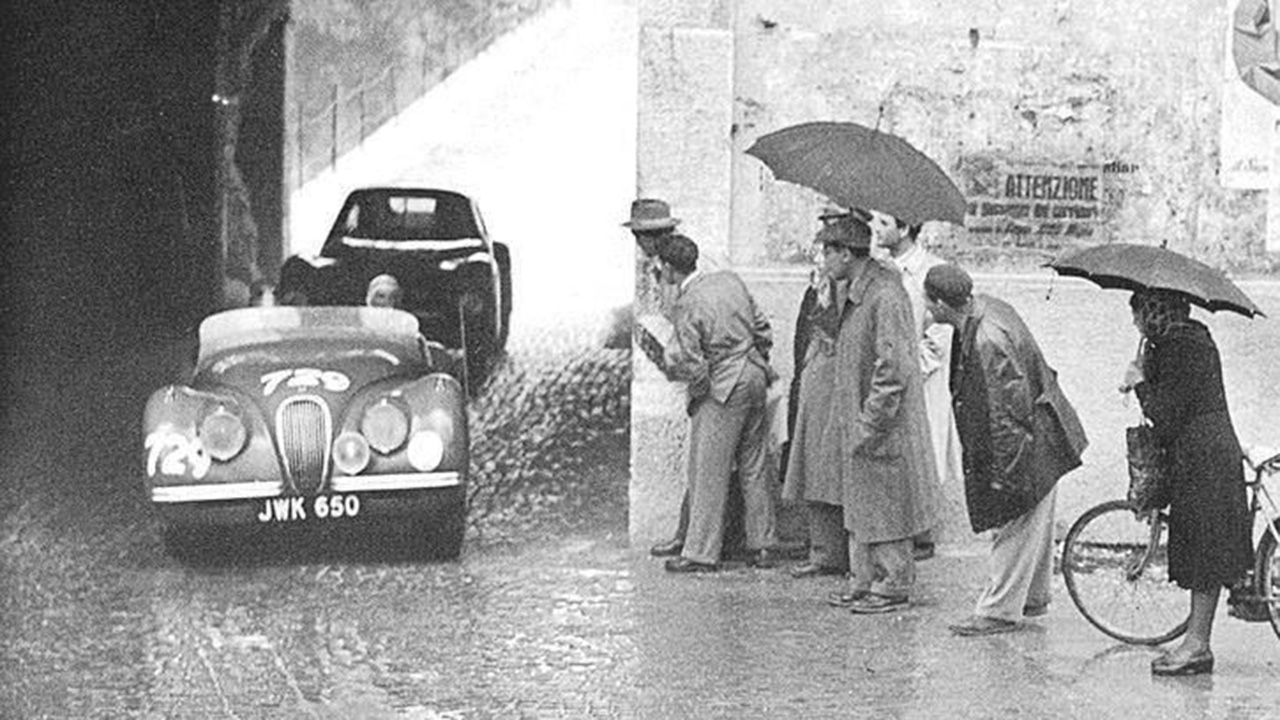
x=807 y=476
x=1178 y=380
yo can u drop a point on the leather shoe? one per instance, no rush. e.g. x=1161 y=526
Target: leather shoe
x=1035 y=610
x=685 y=565
x=763 y=558
x=874 y=604
x=1173 y=664
x=922 y=551
x=844 y=599
x=980 y=625
x=813 y=570
x=667 y=549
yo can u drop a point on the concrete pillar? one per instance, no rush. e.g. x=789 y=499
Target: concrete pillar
x=685 y=111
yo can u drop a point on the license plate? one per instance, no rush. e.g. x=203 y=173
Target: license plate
x=320 y=507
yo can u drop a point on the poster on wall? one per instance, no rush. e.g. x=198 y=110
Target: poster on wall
x=1250 y=93
x=1038 y=205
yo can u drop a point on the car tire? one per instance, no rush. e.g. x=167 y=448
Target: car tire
x=482 y=352
x=504 y=274
x=193 y=544
x=440 y=534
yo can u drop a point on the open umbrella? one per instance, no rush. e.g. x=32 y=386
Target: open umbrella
x=1143 y=267
x=861 y=167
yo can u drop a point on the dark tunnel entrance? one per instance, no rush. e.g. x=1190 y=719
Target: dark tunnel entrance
x=113 y=210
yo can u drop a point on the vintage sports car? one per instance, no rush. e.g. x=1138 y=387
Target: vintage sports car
x=311 y=416
x=455 y=279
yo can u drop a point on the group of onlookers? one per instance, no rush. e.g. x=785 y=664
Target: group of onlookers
x=906 y=380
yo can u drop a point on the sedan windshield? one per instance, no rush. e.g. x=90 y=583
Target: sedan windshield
x=389 y=215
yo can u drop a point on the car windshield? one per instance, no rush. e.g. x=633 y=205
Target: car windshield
x=390 y=329
x=390 y=215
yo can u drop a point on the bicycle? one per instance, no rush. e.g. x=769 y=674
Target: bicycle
x=1115 y=564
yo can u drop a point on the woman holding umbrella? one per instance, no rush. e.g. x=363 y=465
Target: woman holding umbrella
x=1178 y=380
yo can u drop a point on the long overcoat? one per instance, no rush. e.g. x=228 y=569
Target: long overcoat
x=1210 y=527
x=1018 y=431
x=877 y=436
x=807 y=476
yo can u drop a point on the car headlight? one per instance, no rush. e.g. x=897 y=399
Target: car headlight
x=222 y=433
x=350 y=453
x=426 y=450
x=385 y=426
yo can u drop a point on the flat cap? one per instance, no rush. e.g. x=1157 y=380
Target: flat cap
x=845 y=231
x=949 y=283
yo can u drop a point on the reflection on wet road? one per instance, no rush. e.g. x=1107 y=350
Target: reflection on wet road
x=547 y=614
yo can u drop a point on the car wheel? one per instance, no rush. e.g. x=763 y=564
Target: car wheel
x=482 y=351
x=504 y=274
x=439 y=535
x=193 y=544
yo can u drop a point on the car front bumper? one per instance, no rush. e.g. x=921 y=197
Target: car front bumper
x=348 y=500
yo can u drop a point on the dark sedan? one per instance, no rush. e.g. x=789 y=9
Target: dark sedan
x=455 y=279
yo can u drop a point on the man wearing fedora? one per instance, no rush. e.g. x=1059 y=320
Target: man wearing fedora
x=721 y=351
x=651 y=223
x=874 y=442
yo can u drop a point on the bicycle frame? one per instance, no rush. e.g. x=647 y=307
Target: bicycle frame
x=1261 y=501
x=1263 y=465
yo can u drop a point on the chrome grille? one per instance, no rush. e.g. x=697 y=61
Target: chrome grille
x=303 y=429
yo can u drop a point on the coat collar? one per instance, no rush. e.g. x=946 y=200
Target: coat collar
x=858 y=284
x=693 y=277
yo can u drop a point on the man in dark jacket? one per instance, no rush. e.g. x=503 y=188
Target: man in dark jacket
x=1018 y=434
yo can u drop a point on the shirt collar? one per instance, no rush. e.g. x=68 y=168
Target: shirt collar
x=685 y=283
x=912 y=261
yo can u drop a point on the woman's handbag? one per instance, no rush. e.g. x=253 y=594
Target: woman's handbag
x=1148 y=468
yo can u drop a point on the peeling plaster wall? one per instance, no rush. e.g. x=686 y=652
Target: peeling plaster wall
x=1069 y=84
x=1124 y=92
x=685 y=109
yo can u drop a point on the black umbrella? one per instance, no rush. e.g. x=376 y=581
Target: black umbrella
x=1144 y=267
x=861 y=167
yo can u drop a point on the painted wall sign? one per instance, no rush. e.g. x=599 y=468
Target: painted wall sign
x=1038 y=204
x=1249 y=94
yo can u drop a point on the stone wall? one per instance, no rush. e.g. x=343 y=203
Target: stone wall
x=353 y=66
x=1118 y=102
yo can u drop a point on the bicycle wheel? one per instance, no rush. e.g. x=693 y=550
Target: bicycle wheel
x=1267 y=575
x=1116 y=566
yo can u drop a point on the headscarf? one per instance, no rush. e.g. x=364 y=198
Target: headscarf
x=1159 y=311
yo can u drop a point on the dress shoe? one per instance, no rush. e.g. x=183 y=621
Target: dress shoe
x=763 y=558
x=1175 y=664
x=813 y=570
x=922 y=551
x=667 y=549
x=1031 y=611
x=685 y=565
x=978 y=625
x=876 y=604
x=844 y=599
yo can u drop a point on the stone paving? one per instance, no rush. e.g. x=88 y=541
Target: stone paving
x=611 y=634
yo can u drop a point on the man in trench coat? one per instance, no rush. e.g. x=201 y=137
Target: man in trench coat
x=1019 y=435
x=912 y=260
x=877 y=438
